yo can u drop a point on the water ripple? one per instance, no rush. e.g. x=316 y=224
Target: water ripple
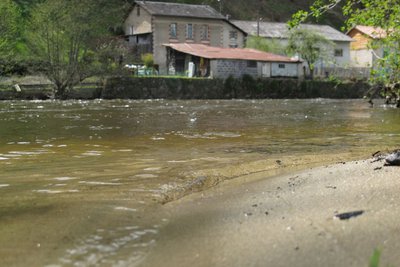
x=98 y=183
x=48 y=191
x=125 y=209
x=101 y=248
x=92 y=153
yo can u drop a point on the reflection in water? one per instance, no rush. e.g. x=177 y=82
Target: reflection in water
x=62 y=163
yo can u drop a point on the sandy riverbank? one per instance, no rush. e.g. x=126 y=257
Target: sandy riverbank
x=287 y=220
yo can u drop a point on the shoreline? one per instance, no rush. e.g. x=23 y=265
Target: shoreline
x=286 y=220
x=278 y=165
x=173 y=88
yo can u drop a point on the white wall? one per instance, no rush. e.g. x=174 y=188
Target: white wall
x=284 y=69
x=345 y=59
x=361 y=58
x=365 y=57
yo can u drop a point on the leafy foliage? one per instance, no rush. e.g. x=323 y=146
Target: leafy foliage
x=148 y=60
x=9 y=28
x=310 y=46
x=26 y=5
x=72 y=37
x=265 y=45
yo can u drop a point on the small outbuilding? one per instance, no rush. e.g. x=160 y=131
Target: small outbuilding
x=198 y=60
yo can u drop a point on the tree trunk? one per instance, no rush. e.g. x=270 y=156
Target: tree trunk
x=61 y=91
x=311 y=73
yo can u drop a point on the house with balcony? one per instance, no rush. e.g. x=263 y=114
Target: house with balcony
x=151 y=25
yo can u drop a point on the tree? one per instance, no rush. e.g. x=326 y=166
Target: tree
x=25 y=6
x=73 y=38
x=310 y=46
x=9 y=30
x=262 y=44
x=378 y=13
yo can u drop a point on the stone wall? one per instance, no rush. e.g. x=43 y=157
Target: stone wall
x=224 y=68
x=245 y=87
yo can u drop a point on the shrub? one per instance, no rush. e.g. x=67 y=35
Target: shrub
x=148 y=60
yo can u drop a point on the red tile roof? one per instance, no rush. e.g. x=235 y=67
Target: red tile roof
x=212 y=52
x=373 y=32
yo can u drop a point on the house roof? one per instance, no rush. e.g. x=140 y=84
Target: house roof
x=281 y=31
x=372 y=32
x=211 y=52
x=180 y=10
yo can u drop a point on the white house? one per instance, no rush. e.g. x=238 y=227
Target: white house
x=280 y=32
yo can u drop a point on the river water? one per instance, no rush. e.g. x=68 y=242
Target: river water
x=80 y=181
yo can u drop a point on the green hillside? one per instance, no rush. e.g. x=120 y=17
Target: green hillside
x=268 y=10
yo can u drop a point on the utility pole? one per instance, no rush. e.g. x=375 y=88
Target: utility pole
x=220 y=6
x=258 y=26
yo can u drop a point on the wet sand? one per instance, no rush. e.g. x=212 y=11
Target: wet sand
x=287 y=220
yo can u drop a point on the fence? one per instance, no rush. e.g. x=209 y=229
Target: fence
x=351 y=73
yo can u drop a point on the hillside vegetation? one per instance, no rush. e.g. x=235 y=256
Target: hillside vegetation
x=268 y=10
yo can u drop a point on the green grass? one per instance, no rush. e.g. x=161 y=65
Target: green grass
x=375 y=258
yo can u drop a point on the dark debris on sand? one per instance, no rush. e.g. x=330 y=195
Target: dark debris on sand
x=391 y=158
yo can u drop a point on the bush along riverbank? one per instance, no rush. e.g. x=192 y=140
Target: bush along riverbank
x=182 y=88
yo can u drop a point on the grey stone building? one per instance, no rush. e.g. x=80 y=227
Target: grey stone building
x=150 y=25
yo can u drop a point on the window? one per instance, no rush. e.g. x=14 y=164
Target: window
x=338 y=52
x=172 y=31
x=138 y=11
x=189 y=31
x=132 y=30
x=251 y=64
x=204 y=33
x=233 y=39
x=233 y=35
x=281 y=66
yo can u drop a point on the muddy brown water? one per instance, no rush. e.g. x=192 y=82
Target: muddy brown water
x=81 y=181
